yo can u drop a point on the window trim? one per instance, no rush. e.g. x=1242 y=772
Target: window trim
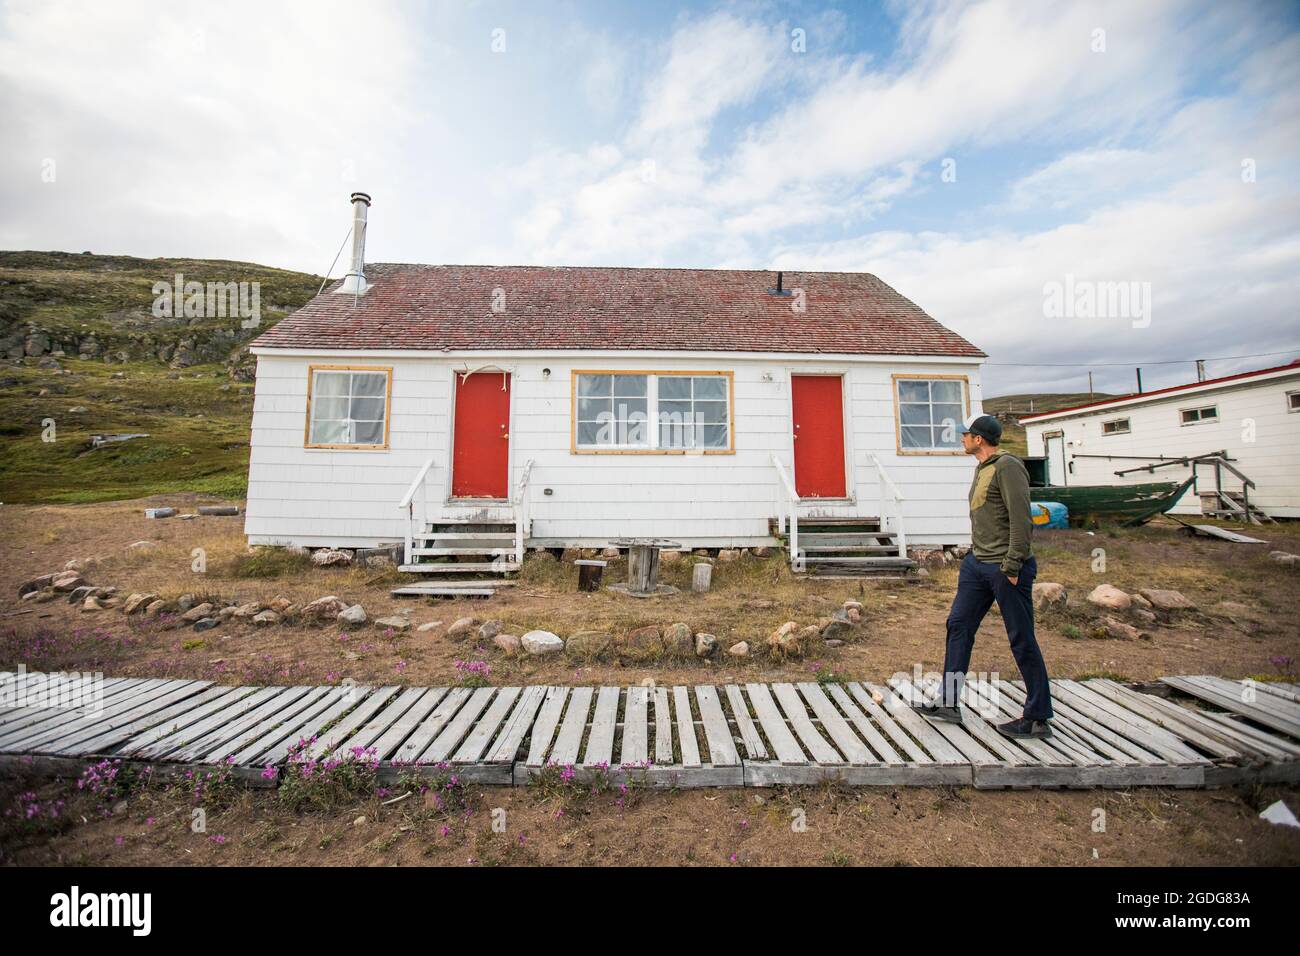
x=388 y=405
x=1127 y=430
x=576 y=449
x=1200 y=420
x=1289 y=396
x=898 y=413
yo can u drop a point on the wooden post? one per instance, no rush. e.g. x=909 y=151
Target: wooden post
x=589 y=574
x=702 y=577
x=642 y=568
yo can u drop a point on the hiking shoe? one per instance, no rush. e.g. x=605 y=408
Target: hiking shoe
x=938 y=712
x=1023 y=727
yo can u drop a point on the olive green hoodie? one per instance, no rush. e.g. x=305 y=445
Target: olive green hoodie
x=999 y=512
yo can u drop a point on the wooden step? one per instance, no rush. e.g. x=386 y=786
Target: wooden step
x=468 y=567
x=881 y=562
x=841 y=548
x=465 y=535
x=450 y=552
x=432 y=591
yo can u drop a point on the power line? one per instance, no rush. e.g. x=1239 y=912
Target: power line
x=1220 y=358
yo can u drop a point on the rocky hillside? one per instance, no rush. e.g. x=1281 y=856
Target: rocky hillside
x=83 y=354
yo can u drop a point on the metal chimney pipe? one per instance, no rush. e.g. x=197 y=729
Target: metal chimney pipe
x=355 y=280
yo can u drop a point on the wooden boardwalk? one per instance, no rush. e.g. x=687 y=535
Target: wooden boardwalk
x=1207 y=732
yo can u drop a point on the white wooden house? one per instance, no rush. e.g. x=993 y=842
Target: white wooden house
x=477 y=411
x=1253 y=417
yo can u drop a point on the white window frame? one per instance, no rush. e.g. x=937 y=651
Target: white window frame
x=1291 y=404
x=315 y=370
x=652 y=446
x=1200 y=411
x=1126 y=430
x=898 y=379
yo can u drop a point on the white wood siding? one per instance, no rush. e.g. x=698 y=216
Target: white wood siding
x=1272 y=460
x=317 y=496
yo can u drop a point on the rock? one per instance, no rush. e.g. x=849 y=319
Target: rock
x=206 y=624
x=739 y=650
x=706 y=645
x=669 y=558
x=280 y=605
x=35 y=584
x=1112 y=627
x=324 y=608
x=761 y=604
x=428 y=626
x=197 y=613
x=327 y=557
x=138 y=602
x=855 y=606
x=679 y=639
x=393 y=623
x=355 y=614
x=154 y=608
x=836 y=630
x=489 y=629
x=612 y=553
x=91 y=603
x=32 y=596
x=249 y=610
x=780 y=635
x=227 y=612
x=588 y=644
x=1143 y=615
x=142 y=546
x=67 y=581
x=727 y=555
x=541 y=642
x=640 y=644
x=461 y=628
x=43 y=596
x=854 y=615
x=762 y=552
x=1167 y=600
x=1139 y=602
x=80 y=594
x=265 y=618
x=1048 y=594
x=509 y=643
x=185 y=602
x=1110 y=597
x=834 y=643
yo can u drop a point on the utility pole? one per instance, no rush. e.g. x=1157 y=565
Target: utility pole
x=1200 y=370
x=1139 y=374
x=1090 y=384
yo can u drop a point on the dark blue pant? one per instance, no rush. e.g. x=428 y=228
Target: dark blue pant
x=978 y=585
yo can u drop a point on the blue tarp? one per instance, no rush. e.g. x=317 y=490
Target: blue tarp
x=1049 y=514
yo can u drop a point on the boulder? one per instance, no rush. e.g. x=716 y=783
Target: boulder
x=706 y=645
x=67 y=581
x=740 y=649
x=35 y=584
x=243 y=611
x=197 y=613
x=1140 y=603
x=91 y=603
x=265 y=618
x=541 y=642
x=780 y=637
x=588 y=644
x=836 y=630
x=854 y=615
x=489 y=629
x=154 y=608
x=679 y=639
x=392 y=623
x=185 y=602
x=428 y=626
x=640 y=644
x=610 y=553
x=324 y=608
x=138 y=602
x=1167 y=600
x=727 y=555
x=355 y=614
x=1049 y=594
x=206 y=624
x=509 y=643
x=855 y=606
x=328 y=557
x=462 y=628
x=762 y=552
x=1109 y=597
x=1112 y=627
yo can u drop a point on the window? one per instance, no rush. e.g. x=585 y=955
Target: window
x=930 y=413
x=347 y=407
x=1116 y=426
x=1293 y=401
x=652 y=412
x=1207 y=413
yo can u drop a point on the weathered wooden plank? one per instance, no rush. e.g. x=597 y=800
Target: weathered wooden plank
x=1152 y=736
x=281 y=718
x=565 y=751
x=366 y=705
x=771 y=774
x=1064 y=710
x=864 y=699
x=183 y=720
x=963 y=742
x=636 y=732
x=459 y=726
x=749 y=735
x=982 y=710
x=773 y=724
x=165 y=717
x=14 y=716
x=485 y=728
x=717 y=734
x=1246 y=736
x=383 y=720
x=66 y=738
x=543 y=730
x=664 y=753
x=391 y=739
x=1172 y=720
x=600 y=742
x=273 y=747
x=1066 y=722
x=883 y=751
x=686 y=737
x=795 y=701
x=23 y=734
x=1264 y=709
x=214 y=741
x=168 y=744
x=506 y=746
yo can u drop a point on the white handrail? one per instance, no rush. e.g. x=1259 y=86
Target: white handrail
x=887 y=485
x=522 y=508
x=407 y=503
x=792 y=499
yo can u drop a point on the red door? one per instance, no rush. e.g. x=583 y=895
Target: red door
x=818 y=407
x=480 y=458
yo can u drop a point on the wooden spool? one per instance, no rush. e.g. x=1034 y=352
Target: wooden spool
x=589 y=574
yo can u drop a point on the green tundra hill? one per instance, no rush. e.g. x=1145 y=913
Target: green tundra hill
x=1013 y=434
x=82 y=354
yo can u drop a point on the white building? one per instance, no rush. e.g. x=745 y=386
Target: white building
x=1254 y=417
x=444 y=406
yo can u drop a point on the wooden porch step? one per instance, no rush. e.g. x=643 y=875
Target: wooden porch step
x=433 y=591
x=449 y=552
x=839 y=548
x=879 y=562
x=465 y=535
x=467 y=567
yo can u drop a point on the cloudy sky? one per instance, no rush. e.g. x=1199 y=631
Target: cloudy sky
x=969 y=153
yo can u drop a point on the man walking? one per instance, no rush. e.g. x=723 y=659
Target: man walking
x=999 y=567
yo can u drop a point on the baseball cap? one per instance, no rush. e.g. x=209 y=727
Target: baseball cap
x=985 y=426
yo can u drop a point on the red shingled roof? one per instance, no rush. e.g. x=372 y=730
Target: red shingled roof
x=450 y=307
